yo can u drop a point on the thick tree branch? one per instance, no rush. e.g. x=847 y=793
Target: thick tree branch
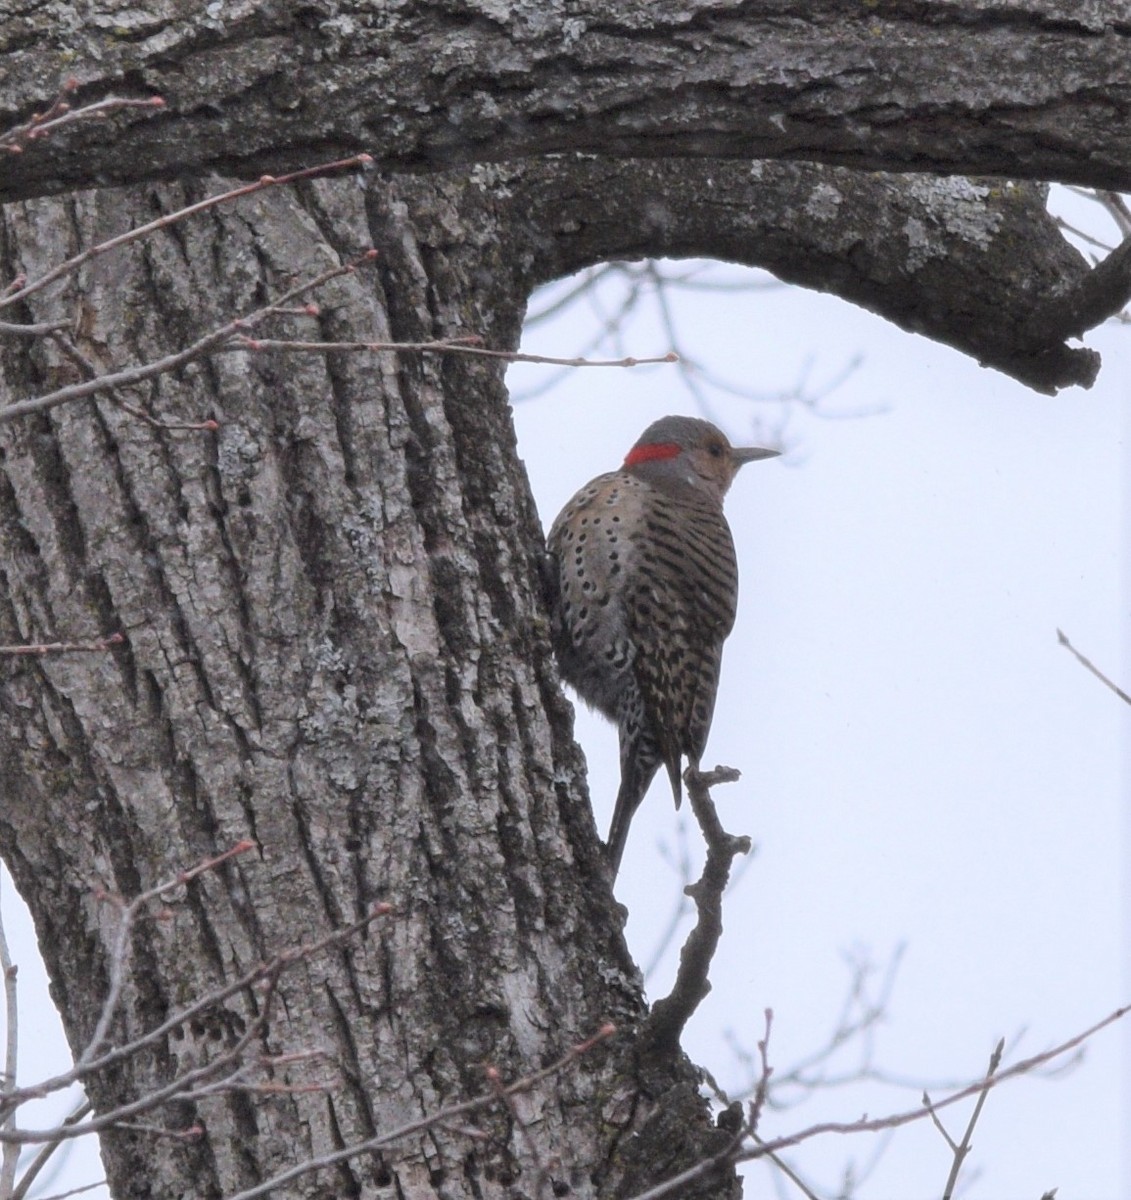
x=936 y=256
x=1036 y=89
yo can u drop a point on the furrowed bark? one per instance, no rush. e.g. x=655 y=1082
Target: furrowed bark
x=1029 y=89
x=335 y=644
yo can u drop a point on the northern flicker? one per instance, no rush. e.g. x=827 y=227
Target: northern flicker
x=646 y=585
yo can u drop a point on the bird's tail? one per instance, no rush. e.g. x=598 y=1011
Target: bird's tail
x=638 y=769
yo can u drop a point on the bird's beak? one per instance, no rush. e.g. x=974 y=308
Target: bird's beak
x=745 y=454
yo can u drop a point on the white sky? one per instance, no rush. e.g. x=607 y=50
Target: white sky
x=923 y=765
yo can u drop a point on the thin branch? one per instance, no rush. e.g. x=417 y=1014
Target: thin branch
x=41 y=648
x=584 y=281
x=10 y=1158
x=75 y=1191
x=542 y=1177
x=36 y=329
x=1112 y=202
x=1118 y=210
x=177 y=1088
x=264 y=972
x=790 y=1173
x=449 y=346
x=60 y=114
x=859 y=1015
x=264 y=181
x=1084 y=662
x=71 y=351
x=120 y=953
x=217 y=338
x=963 y=1147
x=661 y=1030
x=762 y=1090
x=44 y=1155
x=768 y=1147
x=895 y=1120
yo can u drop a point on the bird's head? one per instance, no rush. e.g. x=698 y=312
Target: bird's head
x=674 y=453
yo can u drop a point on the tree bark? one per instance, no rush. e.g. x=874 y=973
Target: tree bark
x=335 y=644
x=1026 y=89
x=938 y=257
x=1022 y=91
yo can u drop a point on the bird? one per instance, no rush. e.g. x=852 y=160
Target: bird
x=644 y=590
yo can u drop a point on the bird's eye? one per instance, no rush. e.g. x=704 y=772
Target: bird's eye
x=715 y=450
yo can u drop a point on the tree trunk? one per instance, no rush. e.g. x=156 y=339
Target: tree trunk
x=335 y=639
x=335 y=644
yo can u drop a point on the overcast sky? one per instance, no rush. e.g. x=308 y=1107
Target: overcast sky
x=923 y=765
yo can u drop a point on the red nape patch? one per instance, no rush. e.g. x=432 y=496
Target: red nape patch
x=643 y=454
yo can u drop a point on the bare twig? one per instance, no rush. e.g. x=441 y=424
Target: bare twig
x=450 y=346
x=764 y=1149
x=45 y=1153
x=661 y=1031
x=616 y=292
x=180 y=1087
x=60 y=114
x=1118 y=210
x=762 y=1090
x=10 y=1157
x=34 y=329
x=1112 y=202
x=1084 y=662
x=791 y=1174
x=41 y=648
x=862 y=1010
x=234 y=336
x=193 y=1133
x=961 y=1149
x=120 y=953
x=208 y=344
x=265 y=181
x=91 y=1061
x=87 y=367
x=75 y=1191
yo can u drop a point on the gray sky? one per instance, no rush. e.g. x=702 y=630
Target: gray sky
x=922 y=764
